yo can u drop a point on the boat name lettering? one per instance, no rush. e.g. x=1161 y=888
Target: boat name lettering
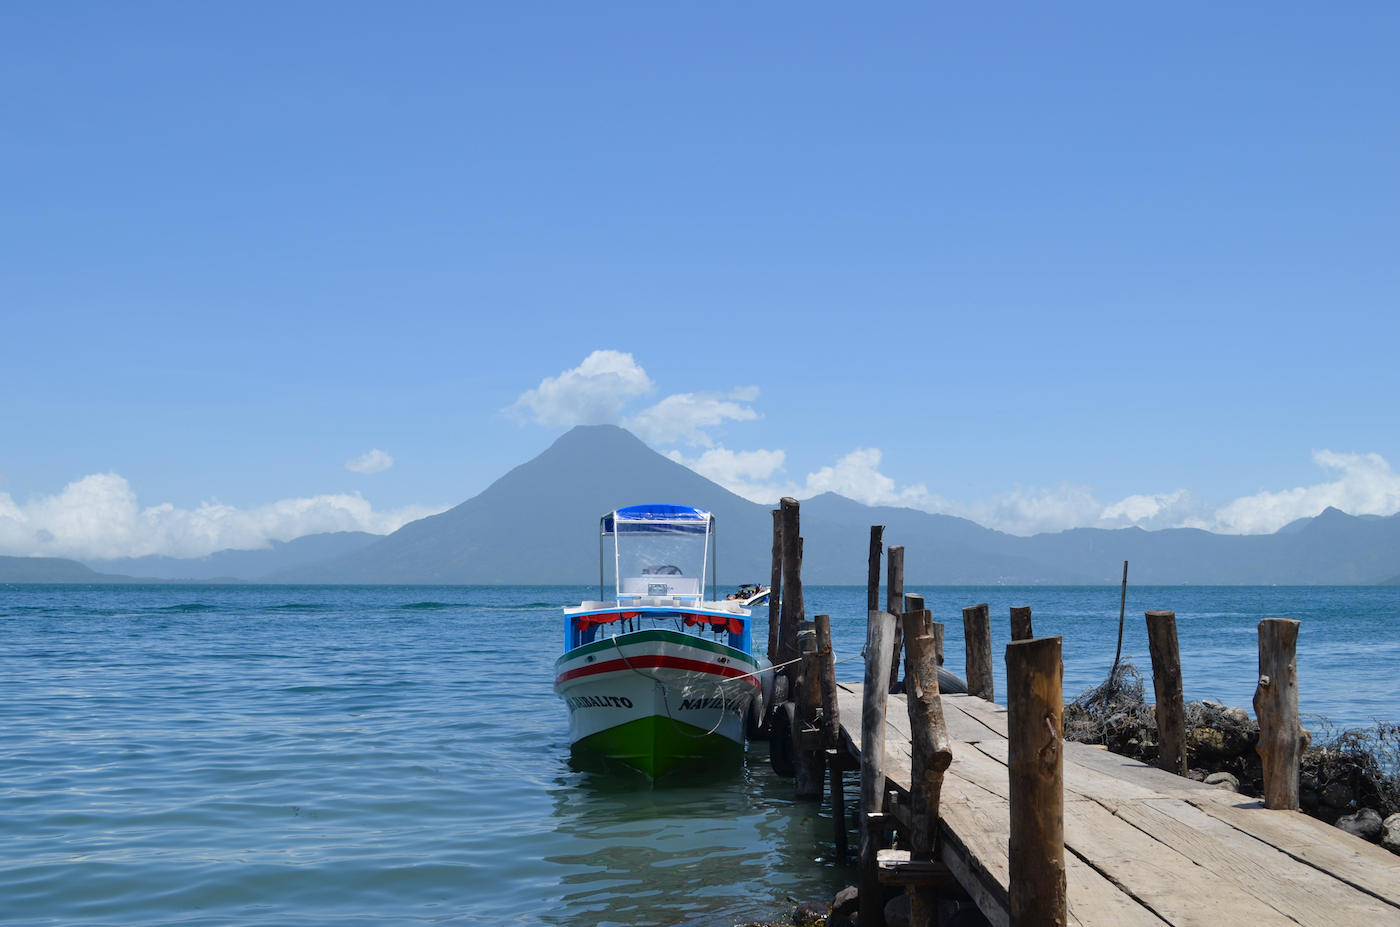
x=598 y=701
x=714 y=702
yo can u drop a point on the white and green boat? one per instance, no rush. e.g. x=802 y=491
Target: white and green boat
x=659 y=678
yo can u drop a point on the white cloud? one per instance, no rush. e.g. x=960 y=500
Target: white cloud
x=97 y=517
x=370 y=462
x=740 y=472
x=596 y=391
x=683 y=416
x=1367 y=486
x=855 y=476
x=593 y=393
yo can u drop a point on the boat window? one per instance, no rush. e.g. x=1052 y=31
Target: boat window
x=660 y=560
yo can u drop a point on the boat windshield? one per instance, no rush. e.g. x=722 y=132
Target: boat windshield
x=660 y=552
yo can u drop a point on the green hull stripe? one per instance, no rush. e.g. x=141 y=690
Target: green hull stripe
x=656 y=747
x=658 y=634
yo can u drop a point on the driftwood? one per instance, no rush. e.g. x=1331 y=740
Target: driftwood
x=1035 y=764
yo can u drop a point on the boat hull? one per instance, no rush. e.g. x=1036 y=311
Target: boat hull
x=657 y=700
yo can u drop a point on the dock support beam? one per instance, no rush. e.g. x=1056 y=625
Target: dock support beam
x=1166 y=683
x=977 y=637
x=1281 y=735
x=879 y=639
x=931 y=752
x=1035 y=752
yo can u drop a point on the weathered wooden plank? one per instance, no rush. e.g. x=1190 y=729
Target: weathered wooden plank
x=1346 y=858
x=1177 y=851
x=989 y=713
x=1096 y=902
x=1175 y=888
x=1293 y=888
x=1082 y=781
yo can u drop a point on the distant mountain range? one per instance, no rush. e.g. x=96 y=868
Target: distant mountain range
x=242 y=564
x=538 y=524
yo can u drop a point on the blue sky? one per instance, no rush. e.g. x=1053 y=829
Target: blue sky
x=1045 y=261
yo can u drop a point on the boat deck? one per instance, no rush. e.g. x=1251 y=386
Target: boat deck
x=1142 y=847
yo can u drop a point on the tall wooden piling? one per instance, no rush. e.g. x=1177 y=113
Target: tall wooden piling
x=1166 y=683
x=792 y=609
x=1035 y=763
x=977 y=638
x=1281 y=735
x=879 y=637
x=775 y=587
x=872 y=582
x=931 y=752
x=831 y=732
x=811 y=759
x=1021 y=623
x=894 y=598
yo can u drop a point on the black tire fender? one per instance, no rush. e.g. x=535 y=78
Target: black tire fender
x=781 y=737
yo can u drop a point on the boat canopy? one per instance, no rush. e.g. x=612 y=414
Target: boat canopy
x=660 y=552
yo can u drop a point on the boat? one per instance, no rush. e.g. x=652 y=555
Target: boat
x=749 y=595
x=657 y=677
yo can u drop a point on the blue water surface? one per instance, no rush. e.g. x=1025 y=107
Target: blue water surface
x=307 y=755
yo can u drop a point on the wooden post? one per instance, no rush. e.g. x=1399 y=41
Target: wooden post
x=831 y=732
x=1166 y=682
x=894 y=596
x=1021 y=623
x=1035 y=766
x=880 y=635
x=811 y=759
x=977 y=638
x=872 y=583
x=792 y=612
x=931 y=751
x=1281 y=735
x=913 y=602
x=775 y=587
x=1122 y=604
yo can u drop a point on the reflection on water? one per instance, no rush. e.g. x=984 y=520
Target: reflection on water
x=698 y=847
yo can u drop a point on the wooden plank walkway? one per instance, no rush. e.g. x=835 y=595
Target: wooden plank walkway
x=1142 y=847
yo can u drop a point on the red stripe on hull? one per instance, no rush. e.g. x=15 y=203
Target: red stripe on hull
x=657 y=661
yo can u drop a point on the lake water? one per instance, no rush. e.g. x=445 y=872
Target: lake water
x=304 y=755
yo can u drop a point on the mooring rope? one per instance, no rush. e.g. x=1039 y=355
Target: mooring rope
x=719 y=687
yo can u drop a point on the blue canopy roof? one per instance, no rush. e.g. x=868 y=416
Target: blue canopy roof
x=665 y=519
x=662 y=513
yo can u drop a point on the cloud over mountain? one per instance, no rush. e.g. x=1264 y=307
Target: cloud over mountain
x=98 y=517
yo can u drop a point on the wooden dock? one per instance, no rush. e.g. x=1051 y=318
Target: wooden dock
x=1142 y=846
